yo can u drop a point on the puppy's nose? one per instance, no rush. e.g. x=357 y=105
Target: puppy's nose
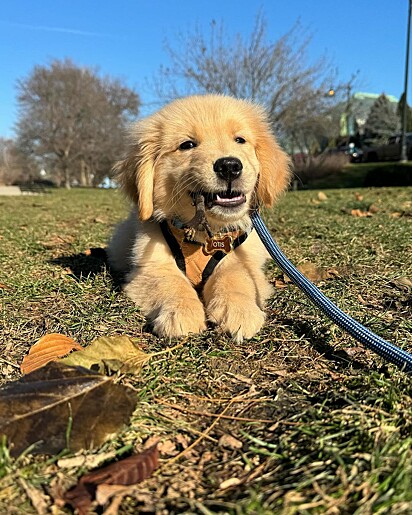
x=228 y=168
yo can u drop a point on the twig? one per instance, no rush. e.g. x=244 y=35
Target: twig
x=208 y=414
x=200 y=215
x=142 y=358
x=223 y=399
x=170 y=349
x=201 y=437
x=15 y=365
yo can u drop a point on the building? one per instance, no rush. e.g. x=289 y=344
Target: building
x=356 y=112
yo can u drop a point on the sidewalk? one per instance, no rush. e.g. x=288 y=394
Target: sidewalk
x=10 y=190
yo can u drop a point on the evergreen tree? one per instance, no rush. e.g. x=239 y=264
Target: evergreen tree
x=383 y=119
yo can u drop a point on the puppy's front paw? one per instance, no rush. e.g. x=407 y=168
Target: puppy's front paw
x=237 y=315
x=180 y=319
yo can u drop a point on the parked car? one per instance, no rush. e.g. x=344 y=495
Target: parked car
x=391 y=150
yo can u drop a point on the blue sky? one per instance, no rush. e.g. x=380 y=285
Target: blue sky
x=125 y=38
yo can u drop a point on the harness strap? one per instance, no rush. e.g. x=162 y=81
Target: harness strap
x=190 y=257
x=174 y=245
x=218 y=256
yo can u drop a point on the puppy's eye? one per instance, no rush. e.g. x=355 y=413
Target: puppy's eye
x=187 y=145
x=240 y=140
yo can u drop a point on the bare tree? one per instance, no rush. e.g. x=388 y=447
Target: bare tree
x=72 y=119
x=276 y=74
x=11 y=166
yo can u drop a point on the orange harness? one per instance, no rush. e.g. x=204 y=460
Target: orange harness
x=192 y=258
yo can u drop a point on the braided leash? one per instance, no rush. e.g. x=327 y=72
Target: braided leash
x=386 y=350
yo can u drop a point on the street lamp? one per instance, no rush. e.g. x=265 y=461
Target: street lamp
x=347 y=113
x=404 y=156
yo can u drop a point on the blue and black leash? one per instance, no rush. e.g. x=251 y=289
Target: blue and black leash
x=386 y=350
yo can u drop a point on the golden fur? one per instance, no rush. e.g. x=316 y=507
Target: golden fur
x=158 y=177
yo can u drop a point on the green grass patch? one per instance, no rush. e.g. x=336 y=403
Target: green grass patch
x=324 y=425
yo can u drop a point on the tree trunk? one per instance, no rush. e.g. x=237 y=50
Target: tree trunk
x=83 y=174
x=66 y=173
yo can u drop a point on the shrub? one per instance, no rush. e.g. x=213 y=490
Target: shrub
x=318 y=167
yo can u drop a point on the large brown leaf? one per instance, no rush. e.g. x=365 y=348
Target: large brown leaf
x=128 y=471
x=48 y=348
x=59 y=407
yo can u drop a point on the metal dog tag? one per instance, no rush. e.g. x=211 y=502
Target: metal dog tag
x=218 y=243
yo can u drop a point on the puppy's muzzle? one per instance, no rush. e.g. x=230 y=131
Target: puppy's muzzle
x=228 y=168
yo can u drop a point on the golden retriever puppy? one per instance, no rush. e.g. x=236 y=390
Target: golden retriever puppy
x=211 y=155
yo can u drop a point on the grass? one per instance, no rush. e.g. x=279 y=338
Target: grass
x=324 y=425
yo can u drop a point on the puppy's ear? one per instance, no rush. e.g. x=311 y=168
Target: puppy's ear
x=275 y=172
x=136 y=172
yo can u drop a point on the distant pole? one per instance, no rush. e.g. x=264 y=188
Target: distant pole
x=404 y=153
x=348 y=110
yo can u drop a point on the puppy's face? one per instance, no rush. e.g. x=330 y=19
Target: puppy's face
x=213 y=145
x=212 y=153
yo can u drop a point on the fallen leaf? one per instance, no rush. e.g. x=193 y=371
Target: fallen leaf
x=359 y=213
x=241 y=378
x=230 y=442
x=373 y=209
x=128 y=471
x=281 y=372
x=168 y=447
x=58 y=407
x=396 y=214
x=404 y=283
x=311 y=271
x=110 y=353
x=358 y=196
x=336 y=377
x=315 y=273
x=152 y=440
x=322 y=196
x=49 y=348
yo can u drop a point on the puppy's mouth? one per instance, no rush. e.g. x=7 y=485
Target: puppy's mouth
x=228 y=199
